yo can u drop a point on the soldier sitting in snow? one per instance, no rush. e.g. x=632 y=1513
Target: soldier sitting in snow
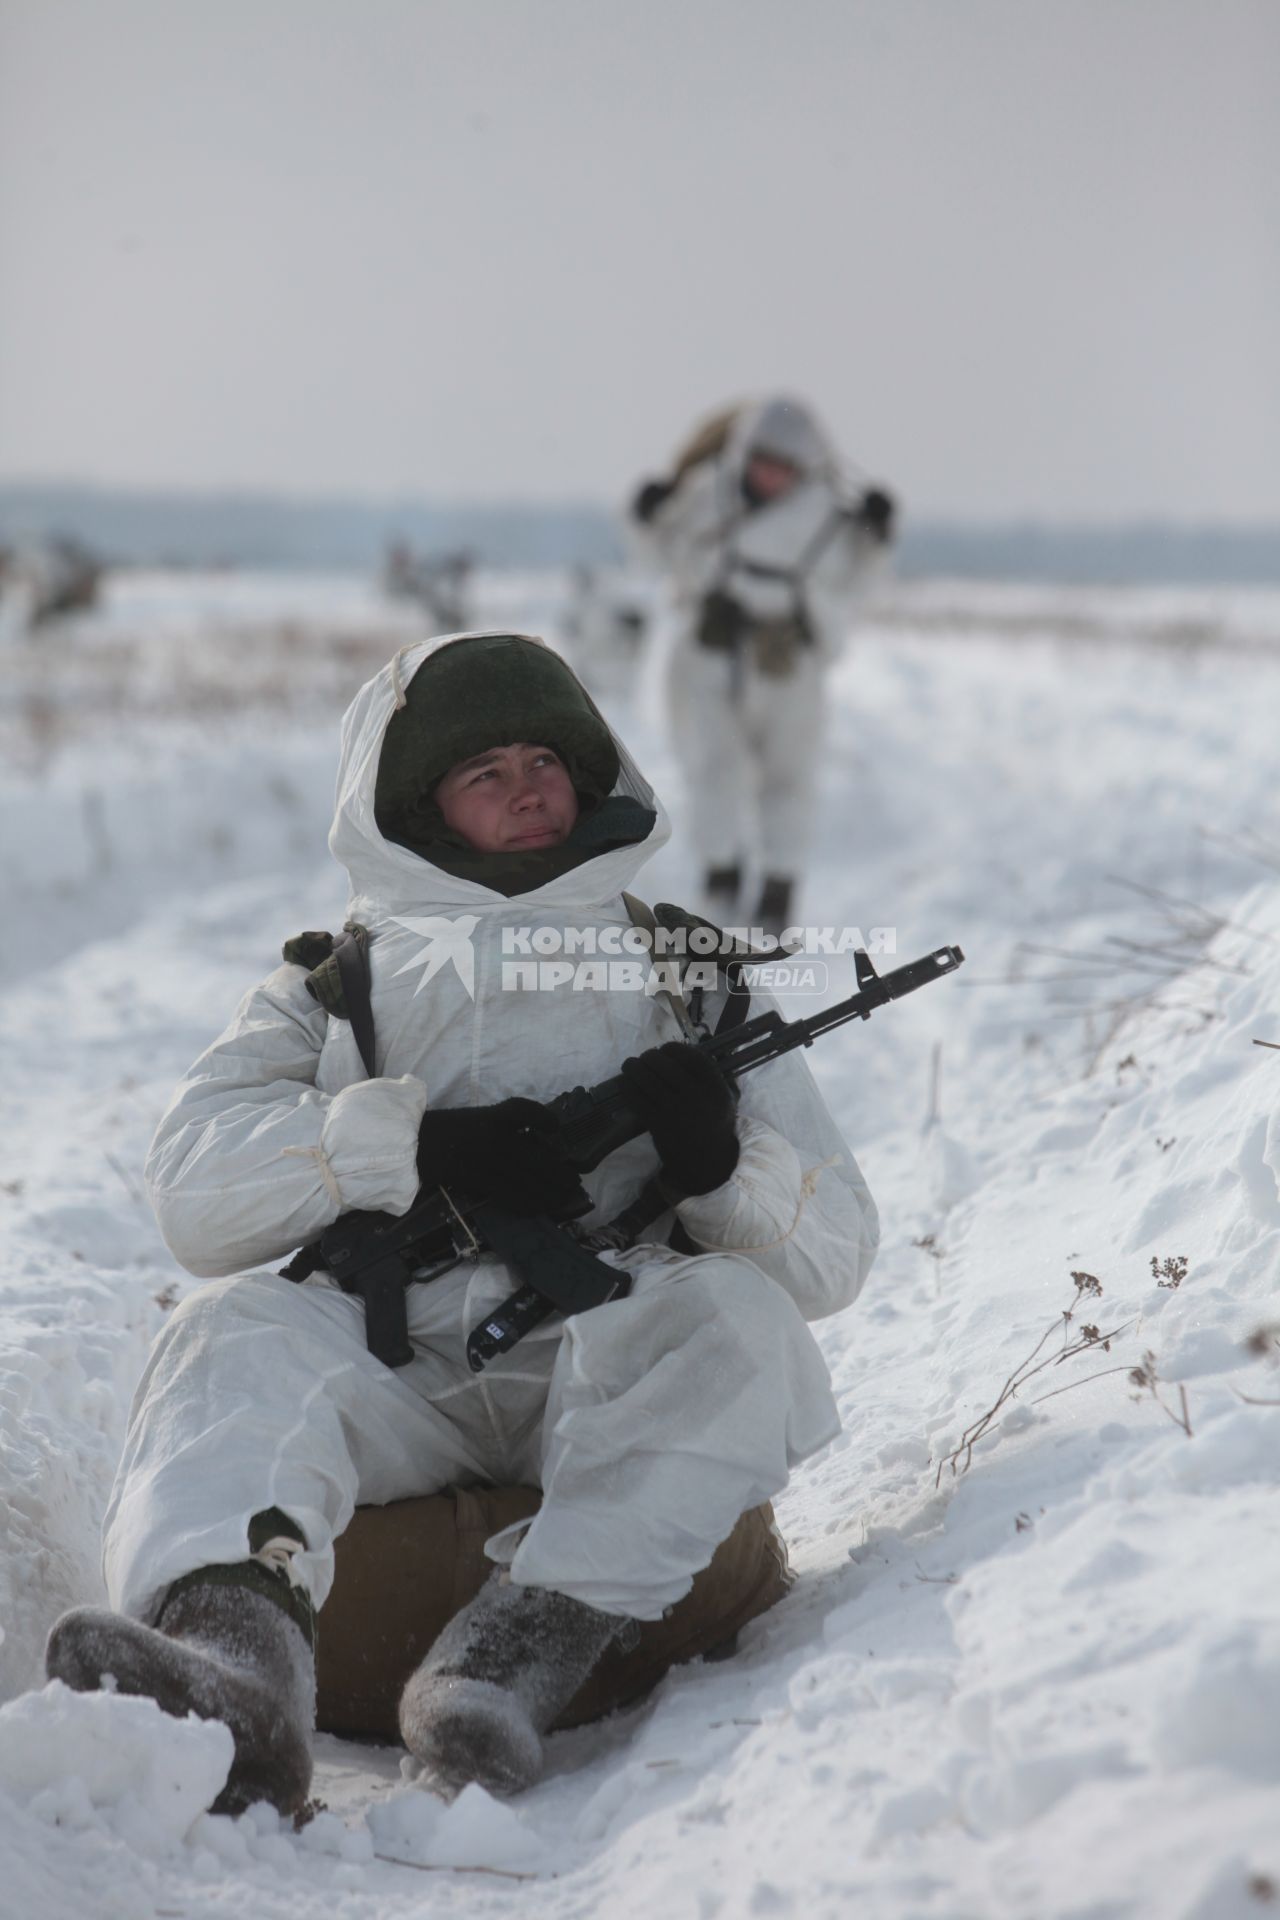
x=480 y=789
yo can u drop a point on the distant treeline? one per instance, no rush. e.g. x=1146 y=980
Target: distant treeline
x=261 y=530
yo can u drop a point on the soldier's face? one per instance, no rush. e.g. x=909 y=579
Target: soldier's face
x=509 y=800
x=769 y=478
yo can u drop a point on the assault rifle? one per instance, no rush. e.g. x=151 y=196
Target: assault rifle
x=377 y=1255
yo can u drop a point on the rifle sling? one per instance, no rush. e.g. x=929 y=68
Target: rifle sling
x=353 y=969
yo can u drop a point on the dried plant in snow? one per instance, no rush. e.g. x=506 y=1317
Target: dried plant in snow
x=1074 y=1342
x=1147 y=1378
x=1263 y=1344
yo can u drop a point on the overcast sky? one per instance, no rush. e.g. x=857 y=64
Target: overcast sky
x=1024 y=255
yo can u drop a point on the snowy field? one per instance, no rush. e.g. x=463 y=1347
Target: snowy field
x=1030 y=1669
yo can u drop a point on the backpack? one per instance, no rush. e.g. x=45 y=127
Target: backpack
x=707 y=441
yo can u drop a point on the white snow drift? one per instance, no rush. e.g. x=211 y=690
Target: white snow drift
x=1038 y=1678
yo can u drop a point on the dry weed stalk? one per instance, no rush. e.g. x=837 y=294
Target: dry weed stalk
x=1088 y=1337
x=1263 y=1344
x=1146 y=1377
x=1136 y=973
x=1250 y=844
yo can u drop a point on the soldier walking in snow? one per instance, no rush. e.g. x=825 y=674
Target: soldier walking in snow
x=767 y=556
x=480 y=794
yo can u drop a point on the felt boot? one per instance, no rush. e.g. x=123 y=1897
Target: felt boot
x=221 y=1650
x=496 y=1679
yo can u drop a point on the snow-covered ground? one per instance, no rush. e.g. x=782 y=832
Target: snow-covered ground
x=1038 y=1678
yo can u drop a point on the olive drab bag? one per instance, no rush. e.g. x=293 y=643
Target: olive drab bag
x=404 y=1570
x=774 y=646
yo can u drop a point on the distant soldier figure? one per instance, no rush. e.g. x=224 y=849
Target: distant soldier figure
x=44 y=581
x=440 y=585
x=768 y=553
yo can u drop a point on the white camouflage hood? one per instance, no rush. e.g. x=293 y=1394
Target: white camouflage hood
x=387 y=878
x=786 y=429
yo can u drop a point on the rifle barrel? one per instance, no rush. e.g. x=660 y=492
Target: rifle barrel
x=769 y=1035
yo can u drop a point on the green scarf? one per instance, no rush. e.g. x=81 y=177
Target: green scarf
x=616 y=822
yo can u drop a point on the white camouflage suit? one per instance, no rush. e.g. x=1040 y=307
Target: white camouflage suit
x=650 y=1423
x=749 y=742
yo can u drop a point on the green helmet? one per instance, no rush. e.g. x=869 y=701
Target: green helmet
x=490 y=690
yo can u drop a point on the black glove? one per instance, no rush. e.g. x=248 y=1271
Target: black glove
x=877 y=513
x=688 y=1107
x=648 y=498
x=507 y=1153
